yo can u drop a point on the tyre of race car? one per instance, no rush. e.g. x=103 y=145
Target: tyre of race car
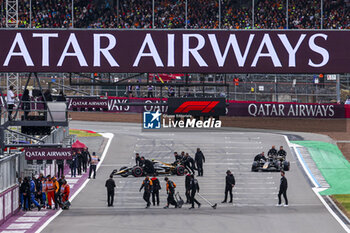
x=180 y=170
x=254 y=166
x=286 y=166
x=277 y=165
x=137 y=171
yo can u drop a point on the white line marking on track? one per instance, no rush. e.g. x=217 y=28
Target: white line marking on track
x=110 y=137
x=20 y=226
x=28 y=219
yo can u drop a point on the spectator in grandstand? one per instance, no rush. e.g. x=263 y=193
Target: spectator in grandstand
x=347 y=100
x=129 y=91
x=61 y=97
x=302 y=14
x=138 y=89
x=11 y=96
x=26 y=103
x=150 y=91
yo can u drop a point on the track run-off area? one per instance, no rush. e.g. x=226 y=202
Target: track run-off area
x=254 y=196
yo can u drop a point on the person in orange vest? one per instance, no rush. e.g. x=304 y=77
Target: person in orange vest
x=57 y=192
x=50 y=190
x=93 y=163
x=44 y=193
x=65 y=190
x=170 y=189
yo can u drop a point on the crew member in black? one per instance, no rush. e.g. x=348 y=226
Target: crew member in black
x=230 y=183
x=155 y=190
x=187 y=187
x=85 y=155
x=182 y=155
x=283 y=190
x=147 y=165
x=281 y=152
x=259 y=157
x=147 y=186
x=60 y=167
x=79 y=162
x=170 y=189
x=189 y=163
x=194 y=188
x=272 y=152
x=138 y=160
x=177 y=157
x=110 y=185
x=25 y=191
x=200 y=159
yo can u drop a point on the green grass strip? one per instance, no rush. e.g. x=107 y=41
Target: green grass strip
x=83 y=133
x=332 y=164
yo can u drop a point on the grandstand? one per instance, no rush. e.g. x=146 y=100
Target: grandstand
x=197 y=14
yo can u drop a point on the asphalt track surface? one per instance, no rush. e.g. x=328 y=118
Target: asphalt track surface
x=255 y=194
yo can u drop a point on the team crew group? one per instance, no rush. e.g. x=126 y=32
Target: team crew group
x=151 y=185
x=44 y=191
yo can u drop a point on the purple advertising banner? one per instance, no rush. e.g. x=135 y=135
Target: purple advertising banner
x=288 y=110
x=235 y=108
x=175 y=51
x=48 y=153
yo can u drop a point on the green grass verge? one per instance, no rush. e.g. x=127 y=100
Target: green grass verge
x=343 y=202
x=83 y=133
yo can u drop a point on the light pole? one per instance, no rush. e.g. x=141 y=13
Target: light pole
x=253 y=22
x=72 y=13
x=220 y=14
x=321 y=14
x=152 y=13
x=287 y=14
x=186 y=15
x=30 y=14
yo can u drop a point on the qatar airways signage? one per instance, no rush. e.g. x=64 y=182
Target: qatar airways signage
x=256 y=109
x=174 y=51
x=48 y=153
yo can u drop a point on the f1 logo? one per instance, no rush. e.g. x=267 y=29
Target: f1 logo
x=203 y=106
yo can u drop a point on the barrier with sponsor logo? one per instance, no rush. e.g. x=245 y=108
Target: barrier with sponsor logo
x=234 y=108
x=197 y=106
x=288 y=110
x=9 y=203
x=170 y=51
x=48 y=153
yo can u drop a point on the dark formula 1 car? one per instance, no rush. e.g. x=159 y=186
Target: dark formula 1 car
x=271 y=164
x=159 y=168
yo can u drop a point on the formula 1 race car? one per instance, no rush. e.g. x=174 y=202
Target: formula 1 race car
x=275 y=163
x=159 y=168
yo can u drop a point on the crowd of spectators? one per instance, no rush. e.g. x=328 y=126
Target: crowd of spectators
x=302 y=14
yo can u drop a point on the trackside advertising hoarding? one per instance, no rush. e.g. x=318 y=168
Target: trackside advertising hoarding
x=175 y=51
x=234 y=108
x=197 y=106
x=48 y=153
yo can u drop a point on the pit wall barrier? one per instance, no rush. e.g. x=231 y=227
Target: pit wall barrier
x=9 y=203
x=233 y=108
